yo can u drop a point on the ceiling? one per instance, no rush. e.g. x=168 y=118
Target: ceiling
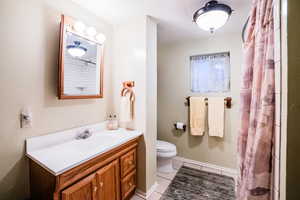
x=174 y=16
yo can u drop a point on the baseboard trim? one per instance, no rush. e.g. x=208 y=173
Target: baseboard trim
x=146 y=195
x=207 y=167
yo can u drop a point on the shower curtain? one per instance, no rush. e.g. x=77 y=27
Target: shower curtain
x=257 y=105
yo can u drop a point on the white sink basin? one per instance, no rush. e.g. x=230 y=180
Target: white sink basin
x=61 y=151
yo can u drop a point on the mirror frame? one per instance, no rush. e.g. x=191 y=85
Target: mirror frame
x=69 y=22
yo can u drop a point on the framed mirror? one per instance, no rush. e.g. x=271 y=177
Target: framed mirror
x=81 y=61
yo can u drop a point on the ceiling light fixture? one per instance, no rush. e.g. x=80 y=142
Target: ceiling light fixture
x=79 y=26
x=76 y=50
x=212 y=16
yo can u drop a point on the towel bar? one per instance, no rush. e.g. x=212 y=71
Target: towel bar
x=227 y=100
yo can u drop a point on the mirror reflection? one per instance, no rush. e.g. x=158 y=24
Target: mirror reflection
x=82 y=61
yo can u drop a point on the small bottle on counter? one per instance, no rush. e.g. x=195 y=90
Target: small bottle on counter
x=109 y=124
x=112 y=123
x=115 y=122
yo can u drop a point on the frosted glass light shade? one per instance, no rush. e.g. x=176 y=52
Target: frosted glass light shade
x=76 y=52
x=212 y=16
x=79 y=26
x=212 y=20
x=91 y=31
x=101 y=38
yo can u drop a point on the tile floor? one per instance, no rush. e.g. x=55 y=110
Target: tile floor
x=163 y=181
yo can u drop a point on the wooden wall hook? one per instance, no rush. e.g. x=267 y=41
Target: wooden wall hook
x=128 y=84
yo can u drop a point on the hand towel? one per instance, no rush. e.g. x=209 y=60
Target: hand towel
x=198 y=115
x=125 y=109
x=216 y=116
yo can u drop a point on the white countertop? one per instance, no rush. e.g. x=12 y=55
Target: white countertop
x=59 y=152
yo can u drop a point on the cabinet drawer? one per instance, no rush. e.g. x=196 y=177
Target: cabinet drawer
x=128 y=184
x=128 y=162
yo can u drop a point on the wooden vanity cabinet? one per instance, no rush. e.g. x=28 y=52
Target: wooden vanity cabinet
x=109 y=176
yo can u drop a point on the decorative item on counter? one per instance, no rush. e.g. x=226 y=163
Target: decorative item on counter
x=112 y=123
x=180 y=126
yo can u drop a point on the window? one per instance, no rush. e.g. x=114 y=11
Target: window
x=210 y=73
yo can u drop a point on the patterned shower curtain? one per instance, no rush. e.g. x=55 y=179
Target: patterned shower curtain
x=257 y=105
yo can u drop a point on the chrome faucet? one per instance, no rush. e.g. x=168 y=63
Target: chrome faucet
x=84 y=135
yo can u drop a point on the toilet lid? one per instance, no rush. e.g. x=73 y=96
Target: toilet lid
x=163 y=146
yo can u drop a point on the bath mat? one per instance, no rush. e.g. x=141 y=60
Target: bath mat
x=193 y=184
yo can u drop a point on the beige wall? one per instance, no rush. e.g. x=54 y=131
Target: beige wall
x=293 y=97
x=29 y=38
x=151 y=100
x=135 y=53
x=174 y=86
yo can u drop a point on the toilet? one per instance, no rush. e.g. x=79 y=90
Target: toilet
x=165 y=154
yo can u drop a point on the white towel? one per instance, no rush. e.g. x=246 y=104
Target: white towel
x=125 y=109
x=216 y=116
x=198 y=115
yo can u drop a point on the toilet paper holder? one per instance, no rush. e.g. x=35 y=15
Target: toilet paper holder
x=183 y=127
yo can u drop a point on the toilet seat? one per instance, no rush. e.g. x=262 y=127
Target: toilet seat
x=165 y=147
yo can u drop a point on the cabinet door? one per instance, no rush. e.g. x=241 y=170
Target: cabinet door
x=108 y=182
x=86 y=189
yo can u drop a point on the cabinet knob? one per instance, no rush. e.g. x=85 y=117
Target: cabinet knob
x=130 y=162
x=95 y=188
x=130 y=184
x=101 y=184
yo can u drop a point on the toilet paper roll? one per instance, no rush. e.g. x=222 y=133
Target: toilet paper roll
x=180 y=125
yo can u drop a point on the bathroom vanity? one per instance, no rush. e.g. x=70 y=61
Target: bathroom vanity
x=101 y=167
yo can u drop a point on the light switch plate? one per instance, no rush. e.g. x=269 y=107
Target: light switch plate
x=26 y=118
